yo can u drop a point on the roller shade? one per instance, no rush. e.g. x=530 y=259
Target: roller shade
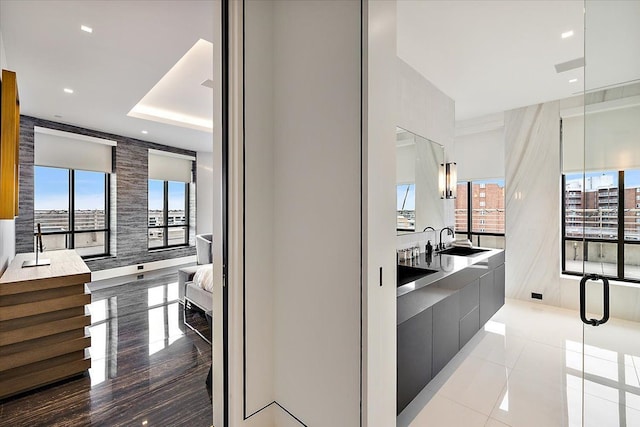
x=613 y=140
x=72 y=151
x=165 y=166
x=480 y=155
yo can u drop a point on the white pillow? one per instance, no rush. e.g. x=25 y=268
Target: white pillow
x=204 y=277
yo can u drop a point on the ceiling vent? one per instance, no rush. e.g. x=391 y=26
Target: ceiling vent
x=207 y=83
x=570 y=65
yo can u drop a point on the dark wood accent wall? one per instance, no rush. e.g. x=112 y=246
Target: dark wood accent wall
x=128 y=197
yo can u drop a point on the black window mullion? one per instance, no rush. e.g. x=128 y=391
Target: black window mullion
x=165 y=214
x=469 y=215
x=620 y=225
x=186 y=213
x=107 y=213
x=72 y=209
x=564 y=224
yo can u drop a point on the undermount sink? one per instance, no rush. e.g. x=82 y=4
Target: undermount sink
x=462 y=251
x=406 y=274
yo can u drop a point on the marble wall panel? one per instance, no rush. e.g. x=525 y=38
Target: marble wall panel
x=532 y=172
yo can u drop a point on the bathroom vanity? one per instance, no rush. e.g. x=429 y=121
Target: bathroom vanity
x=440 y=310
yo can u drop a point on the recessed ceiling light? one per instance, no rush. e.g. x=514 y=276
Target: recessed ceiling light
x=57 y=116
x=67 y=90
x=573 y=80
x=145 y=132
x=567 y=34
x=86 y=29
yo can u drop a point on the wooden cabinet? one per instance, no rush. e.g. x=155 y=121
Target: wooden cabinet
x=9 y=145
x=42 y=322
x=414 y=357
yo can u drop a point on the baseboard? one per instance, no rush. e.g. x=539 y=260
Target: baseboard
x=146 y=267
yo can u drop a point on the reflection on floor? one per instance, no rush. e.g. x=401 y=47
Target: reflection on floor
x=524 y=369
x=147 y=368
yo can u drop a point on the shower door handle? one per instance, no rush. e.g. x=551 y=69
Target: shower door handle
x=583 y=295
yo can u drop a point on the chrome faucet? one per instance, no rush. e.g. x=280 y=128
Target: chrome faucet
x=450 y=232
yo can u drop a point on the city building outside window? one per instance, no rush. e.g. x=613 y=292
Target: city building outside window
x=601 y=233
x=72 y=207
x=486 y=215
x=168 y=214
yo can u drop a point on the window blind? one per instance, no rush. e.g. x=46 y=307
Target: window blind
x=167 y=166
x=72 y=151
x=612 y=140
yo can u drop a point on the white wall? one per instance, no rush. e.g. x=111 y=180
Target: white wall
x=406 y=164
x=259 y=204
x=317 y=203
x=204 y=193
x=7 y=227
x=425 y=110
x=7 y=243
x=379 y=218
x=302 y=213
x=3 y=55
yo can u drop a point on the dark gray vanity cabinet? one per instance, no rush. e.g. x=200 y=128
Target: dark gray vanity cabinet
x=469 y=311
x=438 y=318
x=446 y=331
x=499 y=285
x=491 y=293
x=414 y=356
x=487 y=297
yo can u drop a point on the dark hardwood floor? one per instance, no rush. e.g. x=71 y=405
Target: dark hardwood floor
x=147 y=367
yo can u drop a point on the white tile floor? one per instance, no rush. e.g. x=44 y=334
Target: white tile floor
x=525 y=369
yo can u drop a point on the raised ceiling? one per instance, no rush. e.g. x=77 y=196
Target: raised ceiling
x=132 y=46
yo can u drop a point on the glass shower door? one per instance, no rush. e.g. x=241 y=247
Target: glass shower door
x=609 y=250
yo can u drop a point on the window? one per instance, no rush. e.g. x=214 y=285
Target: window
x=406 y=207
x=168 y=214
x=72 y=207
x=601 y=233
x=486 y=215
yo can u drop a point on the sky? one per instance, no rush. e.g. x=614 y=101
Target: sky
x=51 y=191
x=410 y=203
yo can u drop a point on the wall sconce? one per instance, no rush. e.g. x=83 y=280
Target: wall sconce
x=448 y=181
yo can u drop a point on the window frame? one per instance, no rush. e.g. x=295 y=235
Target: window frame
x=165 y=217
x=71 y=238
x=620 y=241
x=469 y=231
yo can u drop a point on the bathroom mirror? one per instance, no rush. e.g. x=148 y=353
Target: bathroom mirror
x=418 y=198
